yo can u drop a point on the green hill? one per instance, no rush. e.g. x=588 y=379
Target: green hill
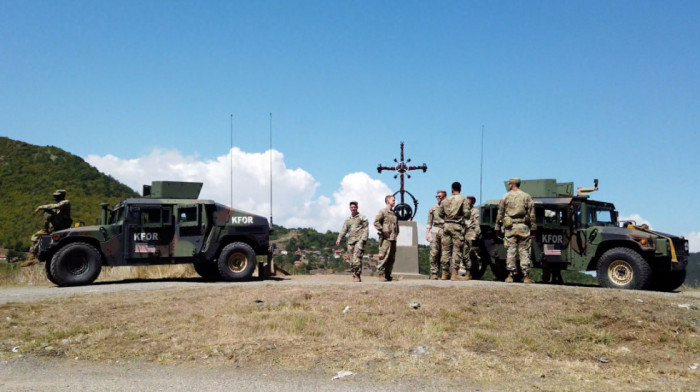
x=29 y=175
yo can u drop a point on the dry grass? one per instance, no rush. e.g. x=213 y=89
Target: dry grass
x=550 y=338
x=13 y=275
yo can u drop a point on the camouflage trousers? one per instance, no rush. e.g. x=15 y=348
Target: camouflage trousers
x=517 y=242
x=387 y=256
x=355 y=251
x=34 y=248
x=471 y=253
x=436 y=250
x=452 y=245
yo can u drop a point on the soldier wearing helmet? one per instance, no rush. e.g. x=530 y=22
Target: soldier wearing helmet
x=56 y=217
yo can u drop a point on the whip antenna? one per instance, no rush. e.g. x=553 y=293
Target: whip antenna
x=270 y=169
x=231 y=153
x=481 y=171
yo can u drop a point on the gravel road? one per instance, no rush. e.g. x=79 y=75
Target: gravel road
x=38 y=293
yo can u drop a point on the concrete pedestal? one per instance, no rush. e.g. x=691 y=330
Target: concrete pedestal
x=406 y=263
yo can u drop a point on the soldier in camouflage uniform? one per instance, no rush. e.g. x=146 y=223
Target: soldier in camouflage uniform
x=516 y=215
x=358 y=228
x=387 y=224
x=455 y=209
x=434 y=226
x=56 y=217
x=471 y=246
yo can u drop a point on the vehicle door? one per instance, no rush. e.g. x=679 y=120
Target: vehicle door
x=149 y=232
x=584 y=235
x=554 y=235
x=190 y=231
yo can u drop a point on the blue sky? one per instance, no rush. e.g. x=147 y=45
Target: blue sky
x=564 y=89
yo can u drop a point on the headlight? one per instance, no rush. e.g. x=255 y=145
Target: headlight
x=686 y=247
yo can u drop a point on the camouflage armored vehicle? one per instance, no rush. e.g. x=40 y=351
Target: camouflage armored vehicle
x=168 y=225
x=577 y=233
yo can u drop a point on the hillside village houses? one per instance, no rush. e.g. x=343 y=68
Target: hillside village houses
x=370 y=260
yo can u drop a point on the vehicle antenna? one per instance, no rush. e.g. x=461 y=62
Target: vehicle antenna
x=231 y=153
x=481 y=170
x=270 y=169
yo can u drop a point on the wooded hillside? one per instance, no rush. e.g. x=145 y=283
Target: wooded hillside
x=30 y=174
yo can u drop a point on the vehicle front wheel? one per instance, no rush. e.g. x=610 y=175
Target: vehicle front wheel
x=236 y=261
x=75 y=264
x=208 y=271
x=623 y=268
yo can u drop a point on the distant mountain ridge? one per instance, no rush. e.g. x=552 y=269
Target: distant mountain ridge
x=29 y=175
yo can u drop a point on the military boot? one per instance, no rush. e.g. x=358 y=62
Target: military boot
x=455 y=274
x=31 y=260
x=433 y=277
x=527 y=279
x=468 y=276
x=445 y=275
x=509 y=279
x=356 y=278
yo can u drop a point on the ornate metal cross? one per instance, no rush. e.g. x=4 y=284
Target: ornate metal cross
x=403 y=210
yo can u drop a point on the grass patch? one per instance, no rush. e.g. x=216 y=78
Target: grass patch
x=549 y=338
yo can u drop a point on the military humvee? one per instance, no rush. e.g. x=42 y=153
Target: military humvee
x=168 y=225
x=577 y=233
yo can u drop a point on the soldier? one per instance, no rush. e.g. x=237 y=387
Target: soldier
x=471 y=247
x=56 y=217
x=516 y=215
x=434 y=226
x=387 y=224
x=455 y=209
x=357 y=227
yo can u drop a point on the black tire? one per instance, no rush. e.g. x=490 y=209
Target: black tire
x=75 y=264
x=499 y=270
x=623 y=268
x=47 y=267
x=236 y=262
x=479 y=268
x=668 y=281
x=208 y=271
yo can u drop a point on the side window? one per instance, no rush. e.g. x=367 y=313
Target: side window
x=151 y=216
x=187 y=215
x=555 y=217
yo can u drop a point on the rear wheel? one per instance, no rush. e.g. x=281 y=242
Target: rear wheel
x=208 y=271
x=479 y=267
x=623 y=268
x=75 y=264
x=236 y=262
x=498 y=267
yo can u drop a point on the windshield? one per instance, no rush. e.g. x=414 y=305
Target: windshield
x=602 y=216
x=116 y=216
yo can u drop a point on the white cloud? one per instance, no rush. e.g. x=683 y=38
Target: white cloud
x=295 y=201
x=693 y=241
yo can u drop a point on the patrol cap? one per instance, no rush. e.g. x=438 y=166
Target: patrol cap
x=59 y=192
x=515 y=181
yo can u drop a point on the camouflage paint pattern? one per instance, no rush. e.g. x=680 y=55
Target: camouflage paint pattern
x=471 y=245
x=436 y=221
x=147 y=231
x=358 y=229
x=387 y=222
x=516 y=214
x=455 y=209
